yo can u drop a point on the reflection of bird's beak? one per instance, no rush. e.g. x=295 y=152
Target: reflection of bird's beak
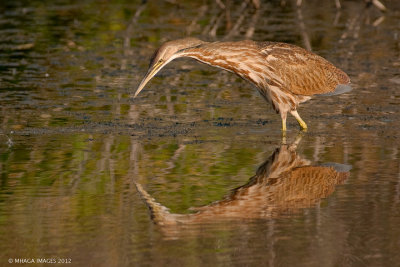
x=150 y=74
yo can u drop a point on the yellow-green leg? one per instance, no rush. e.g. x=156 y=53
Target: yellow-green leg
x=284 y=124
x=303 y=125
x=283 y=116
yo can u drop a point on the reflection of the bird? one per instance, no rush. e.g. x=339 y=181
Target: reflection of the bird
x=284 y=184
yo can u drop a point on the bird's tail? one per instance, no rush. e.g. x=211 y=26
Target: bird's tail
x=340 y=89
x=338 y=167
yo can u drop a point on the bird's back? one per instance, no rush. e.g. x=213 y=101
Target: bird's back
x=302 y=72
x=289 y=67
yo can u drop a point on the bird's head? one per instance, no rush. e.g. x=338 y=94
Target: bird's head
x=165 y=54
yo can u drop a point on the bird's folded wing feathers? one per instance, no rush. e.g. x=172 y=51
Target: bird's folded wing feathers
x=303 y=72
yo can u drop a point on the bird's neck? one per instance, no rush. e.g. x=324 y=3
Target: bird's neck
x=230 y=62
x=209 y=58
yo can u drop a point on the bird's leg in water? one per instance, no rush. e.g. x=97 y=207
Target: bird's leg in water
x=303 y=125
x=283 y=116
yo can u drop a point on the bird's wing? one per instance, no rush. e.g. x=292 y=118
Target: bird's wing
x=301 y=72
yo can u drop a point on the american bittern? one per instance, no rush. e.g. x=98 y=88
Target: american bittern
x=285 y=75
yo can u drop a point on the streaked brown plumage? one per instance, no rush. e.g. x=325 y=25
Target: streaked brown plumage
x=284 y=183
x=285 y=75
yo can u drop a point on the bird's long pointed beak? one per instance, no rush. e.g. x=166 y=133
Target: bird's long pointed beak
x=150 y=74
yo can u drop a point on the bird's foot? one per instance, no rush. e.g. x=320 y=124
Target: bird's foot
x=303 y=126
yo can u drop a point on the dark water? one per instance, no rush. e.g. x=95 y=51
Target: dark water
x=81 y=162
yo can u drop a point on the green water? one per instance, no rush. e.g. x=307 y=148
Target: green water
x=75 y=146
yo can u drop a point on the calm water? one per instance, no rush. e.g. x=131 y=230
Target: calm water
x=193 y=171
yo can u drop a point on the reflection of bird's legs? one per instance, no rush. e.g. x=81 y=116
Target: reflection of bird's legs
x=303 y=125
x=296 y=142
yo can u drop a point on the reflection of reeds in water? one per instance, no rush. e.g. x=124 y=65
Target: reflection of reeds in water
x=285 y=183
